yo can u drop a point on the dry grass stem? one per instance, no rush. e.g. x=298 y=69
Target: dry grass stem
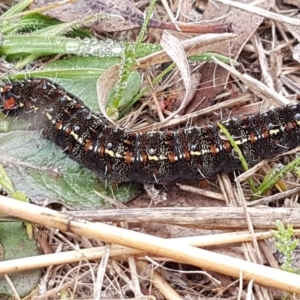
x=258 y=87
x=146 y=270
x=16 y=295
x=94 y=253
x=224 y=218
x=101 y=272
x=151 y=244
x=203 y=192
x=261 y=12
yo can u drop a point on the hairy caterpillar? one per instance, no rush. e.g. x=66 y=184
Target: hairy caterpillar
x=154 y=157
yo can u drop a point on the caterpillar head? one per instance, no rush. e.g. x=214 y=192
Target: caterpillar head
x=7 y=99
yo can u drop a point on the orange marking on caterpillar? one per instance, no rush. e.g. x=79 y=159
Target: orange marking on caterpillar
x=265 y=132
x=227 y=145
x=10 y=103
x=294 y=124
x=67 y=130
x=101 y=151
x=128 y=157
x=69 y=149
x=88 y=145
x=187 y=154
x=290 y=125
x=79 y=105
x=58 y=125
x=252 y=138
x=171 y=157
x=144 y=157
x=214 y=149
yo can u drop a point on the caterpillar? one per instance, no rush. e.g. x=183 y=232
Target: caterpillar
x=121 y=155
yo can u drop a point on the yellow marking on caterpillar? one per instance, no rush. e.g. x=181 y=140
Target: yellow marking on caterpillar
x=197 y=153
x=49 y=117
x=68 y=98
x=204 y=151
x=76 y=137
x=240 y=142
x=274 y=131
x=110 y=152
x=153 y=157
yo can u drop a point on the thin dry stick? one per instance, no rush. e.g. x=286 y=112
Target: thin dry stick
x=101 y=272
x=205 y=111
x=158 y=281
x=162 y=247
x=256 y=86
x=261 y=12
x=223 y=218
x=202 y=192
x=40 y=261
x=275 y=197
x=52 y=293
x=123 y=276
x=134 y=276
x=12 y=287
x=249 y=222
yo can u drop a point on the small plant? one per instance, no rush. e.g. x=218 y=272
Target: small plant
x=286 y=245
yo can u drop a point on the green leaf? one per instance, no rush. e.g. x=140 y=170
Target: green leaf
x=41 y=170
x=27 y=23
x=16 y=244
x=5 y=181
x=4 y=125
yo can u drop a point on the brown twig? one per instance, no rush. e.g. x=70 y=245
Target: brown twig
x=221 y=218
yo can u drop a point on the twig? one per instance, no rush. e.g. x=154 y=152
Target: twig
x=222 y=218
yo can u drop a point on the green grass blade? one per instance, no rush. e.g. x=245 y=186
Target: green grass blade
x=16 y=9
x=239 y=152
x=129 y=59
x=273 y=177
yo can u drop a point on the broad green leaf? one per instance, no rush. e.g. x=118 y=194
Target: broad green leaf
x=16 y=244
x=4 y=124
x=41 y=170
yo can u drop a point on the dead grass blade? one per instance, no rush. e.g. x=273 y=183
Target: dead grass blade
x=59 y=258
x=262 y=12
x=256 y=86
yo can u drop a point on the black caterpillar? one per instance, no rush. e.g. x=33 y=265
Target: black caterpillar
x=160 y=156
